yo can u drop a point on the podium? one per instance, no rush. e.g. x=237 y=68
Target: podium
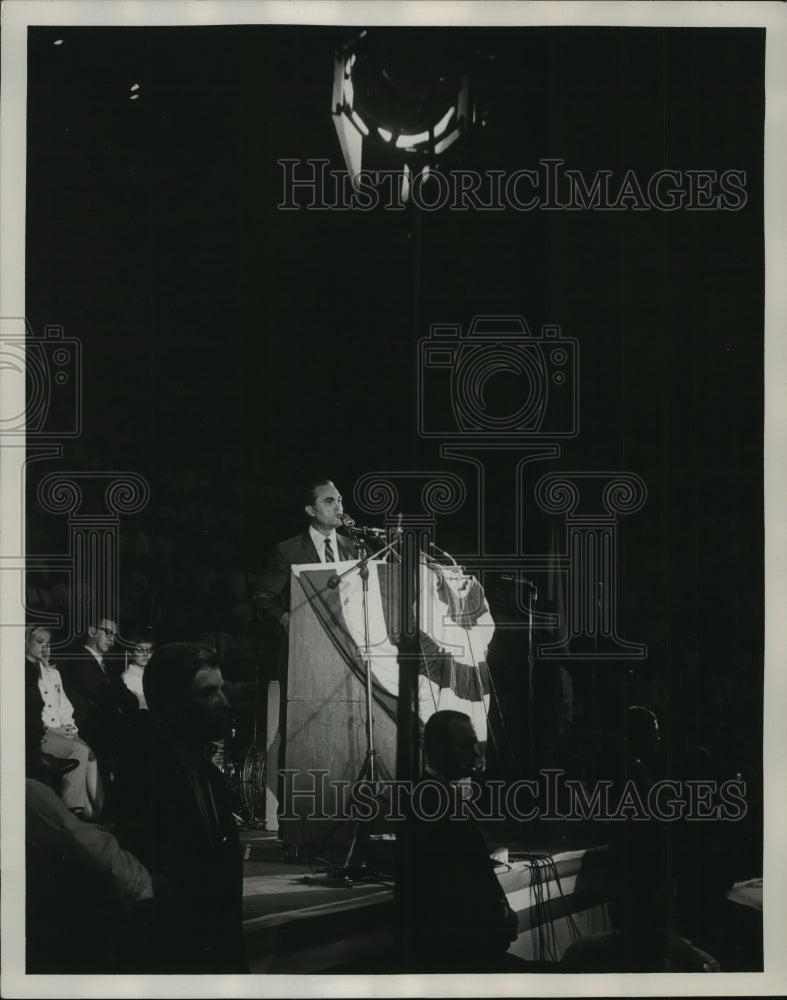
x=325 y=697
x=325 y=733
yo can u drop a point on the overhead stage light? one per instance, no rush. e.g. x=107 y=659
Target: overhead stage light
x=399 y=102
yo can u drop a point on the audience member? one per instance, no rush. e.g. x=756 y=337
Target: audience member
x=99 y=702
x=643 y=938
x=173 y=813
x=81 y=786
x=709 y=858
x=80 y=885
x=457 y=917
x=137 y=659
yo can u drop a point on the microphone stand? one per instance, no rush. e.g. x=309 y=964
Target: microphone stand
x=337 y=578
x=372 y=767
x=532 y=594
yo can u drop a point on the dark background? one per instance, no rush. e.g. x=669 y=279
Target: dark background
x=231 y=348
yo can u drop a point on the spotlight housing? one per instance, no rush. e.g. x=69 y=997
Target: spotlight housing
x=399 y=103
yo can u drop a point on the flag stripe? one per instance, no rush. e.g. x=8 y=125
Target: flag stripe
x=456 y=629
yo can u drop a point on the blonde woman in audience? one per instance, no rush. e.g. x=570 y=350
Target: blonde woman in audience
x=81 y=790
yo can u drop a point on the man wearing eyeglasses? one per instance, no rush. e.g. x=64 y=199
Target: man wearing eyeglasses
x=99 y=701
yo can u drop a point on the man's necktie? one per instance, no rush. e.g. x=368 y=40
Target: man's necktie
x=328 y=551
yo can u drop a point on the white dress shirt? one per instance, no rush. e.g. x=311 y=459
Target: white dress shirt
x=319 y=543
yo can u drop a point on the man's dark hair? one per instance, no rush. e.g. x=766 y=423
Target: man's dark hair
x=99 y=616
x=169 y=675
x=437 y=726
x=311 y=487
x=640 y=729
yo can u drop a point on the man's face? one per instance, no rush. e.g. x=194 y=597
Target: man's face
x=102 y=637
x=206 y=711
x=326 y=509
x=37 y=645
x=458 y=756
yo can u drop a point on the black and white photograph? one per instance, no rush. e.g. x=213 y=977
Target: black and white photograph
x=392 y=498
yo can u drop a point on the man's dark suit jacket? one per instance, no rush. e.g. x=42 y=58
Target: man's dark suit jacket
x=194 y=925
x=100 y=701
x=273 y=593
x=458 y=915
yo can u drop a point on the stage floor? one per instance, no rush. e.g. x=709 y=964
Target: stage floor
x=297 y=920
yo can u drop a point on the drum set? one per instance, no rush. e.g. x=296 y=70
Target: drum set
x=243 y=765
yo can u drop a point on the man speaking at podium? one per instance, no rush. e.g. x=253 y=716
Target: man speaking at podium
x=318 y=543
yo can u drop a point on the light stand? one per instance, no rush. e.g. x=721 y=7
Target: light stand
x=412 y=542
x=532 y=595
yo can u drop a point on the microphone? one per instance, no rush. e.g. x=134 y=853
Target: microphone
x=349 y=523
x=333 y=581
x=511 y=578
